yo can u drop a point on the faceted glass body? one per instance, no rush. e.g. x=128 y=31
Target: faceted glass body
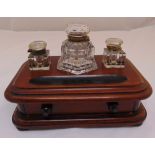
x=113 y=59
x=39 y=62
x=77 y=52
x=114 y=56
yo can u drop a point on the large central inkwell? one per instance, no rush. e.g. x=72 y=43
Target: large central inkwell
x=77 y=52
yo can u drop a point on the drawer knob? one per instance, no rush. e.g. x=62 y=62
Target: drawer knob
x=113 y=107
x=46 y=110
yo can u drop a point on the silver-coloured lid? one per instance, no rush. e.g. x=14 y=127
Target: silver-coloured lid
x=37 y=45
x=77 y=30
x=114 y=42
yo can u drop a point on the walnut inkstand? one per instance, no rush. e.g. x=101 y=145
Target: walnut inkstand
x=78 y=89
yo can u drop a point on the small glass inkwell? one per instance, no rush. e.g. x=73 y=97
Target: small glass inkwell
x=39 y=57
x=77 y=52
x=114 y=56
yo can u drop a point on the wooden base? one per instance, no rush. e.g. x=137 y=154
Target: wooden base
x=30 y=122
x=58 y=99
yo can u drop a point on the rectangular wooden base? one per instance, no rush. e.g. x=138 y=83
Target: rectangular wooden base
x=57 y=99
x=30 y=122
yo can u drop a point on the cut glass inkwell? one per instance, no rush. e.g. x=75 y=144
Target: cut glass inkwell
x=114 y=56
x=77 y=52
x=39 y=57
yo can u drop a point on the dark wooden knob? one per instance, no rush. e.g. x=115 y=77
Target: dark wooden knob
x=46 y=110
x=113 y=107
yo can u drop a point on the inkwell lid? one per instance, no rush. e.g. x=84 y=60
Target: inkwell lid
x=37 y=47
x=77 y=32
x=114 y=44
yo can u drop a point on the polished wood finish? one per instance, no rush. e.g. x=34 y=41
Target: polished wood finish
x=78 y=105
x=34 y=122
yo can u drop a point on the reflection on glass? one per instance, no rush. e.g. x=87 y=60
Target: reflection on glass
x=77 y=52
x=114 y=56
x=39 y=57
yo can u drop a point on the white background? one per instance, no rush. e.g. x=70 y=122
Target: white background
x=59 y=24
x=139 y=44
x=81 y=8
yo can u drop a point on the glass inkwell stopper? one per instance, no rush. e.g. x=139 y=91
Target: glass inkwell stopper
x=114 y=56
x=39 y=57
x=77 y=52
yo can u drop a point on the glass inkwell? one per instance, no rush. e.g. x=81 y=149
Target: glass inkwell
x=39 y=57
x=114 y=56
x=77 y=52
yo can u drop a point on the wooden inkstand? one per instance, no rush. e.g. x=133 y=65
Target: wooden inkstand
x=105 y=97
